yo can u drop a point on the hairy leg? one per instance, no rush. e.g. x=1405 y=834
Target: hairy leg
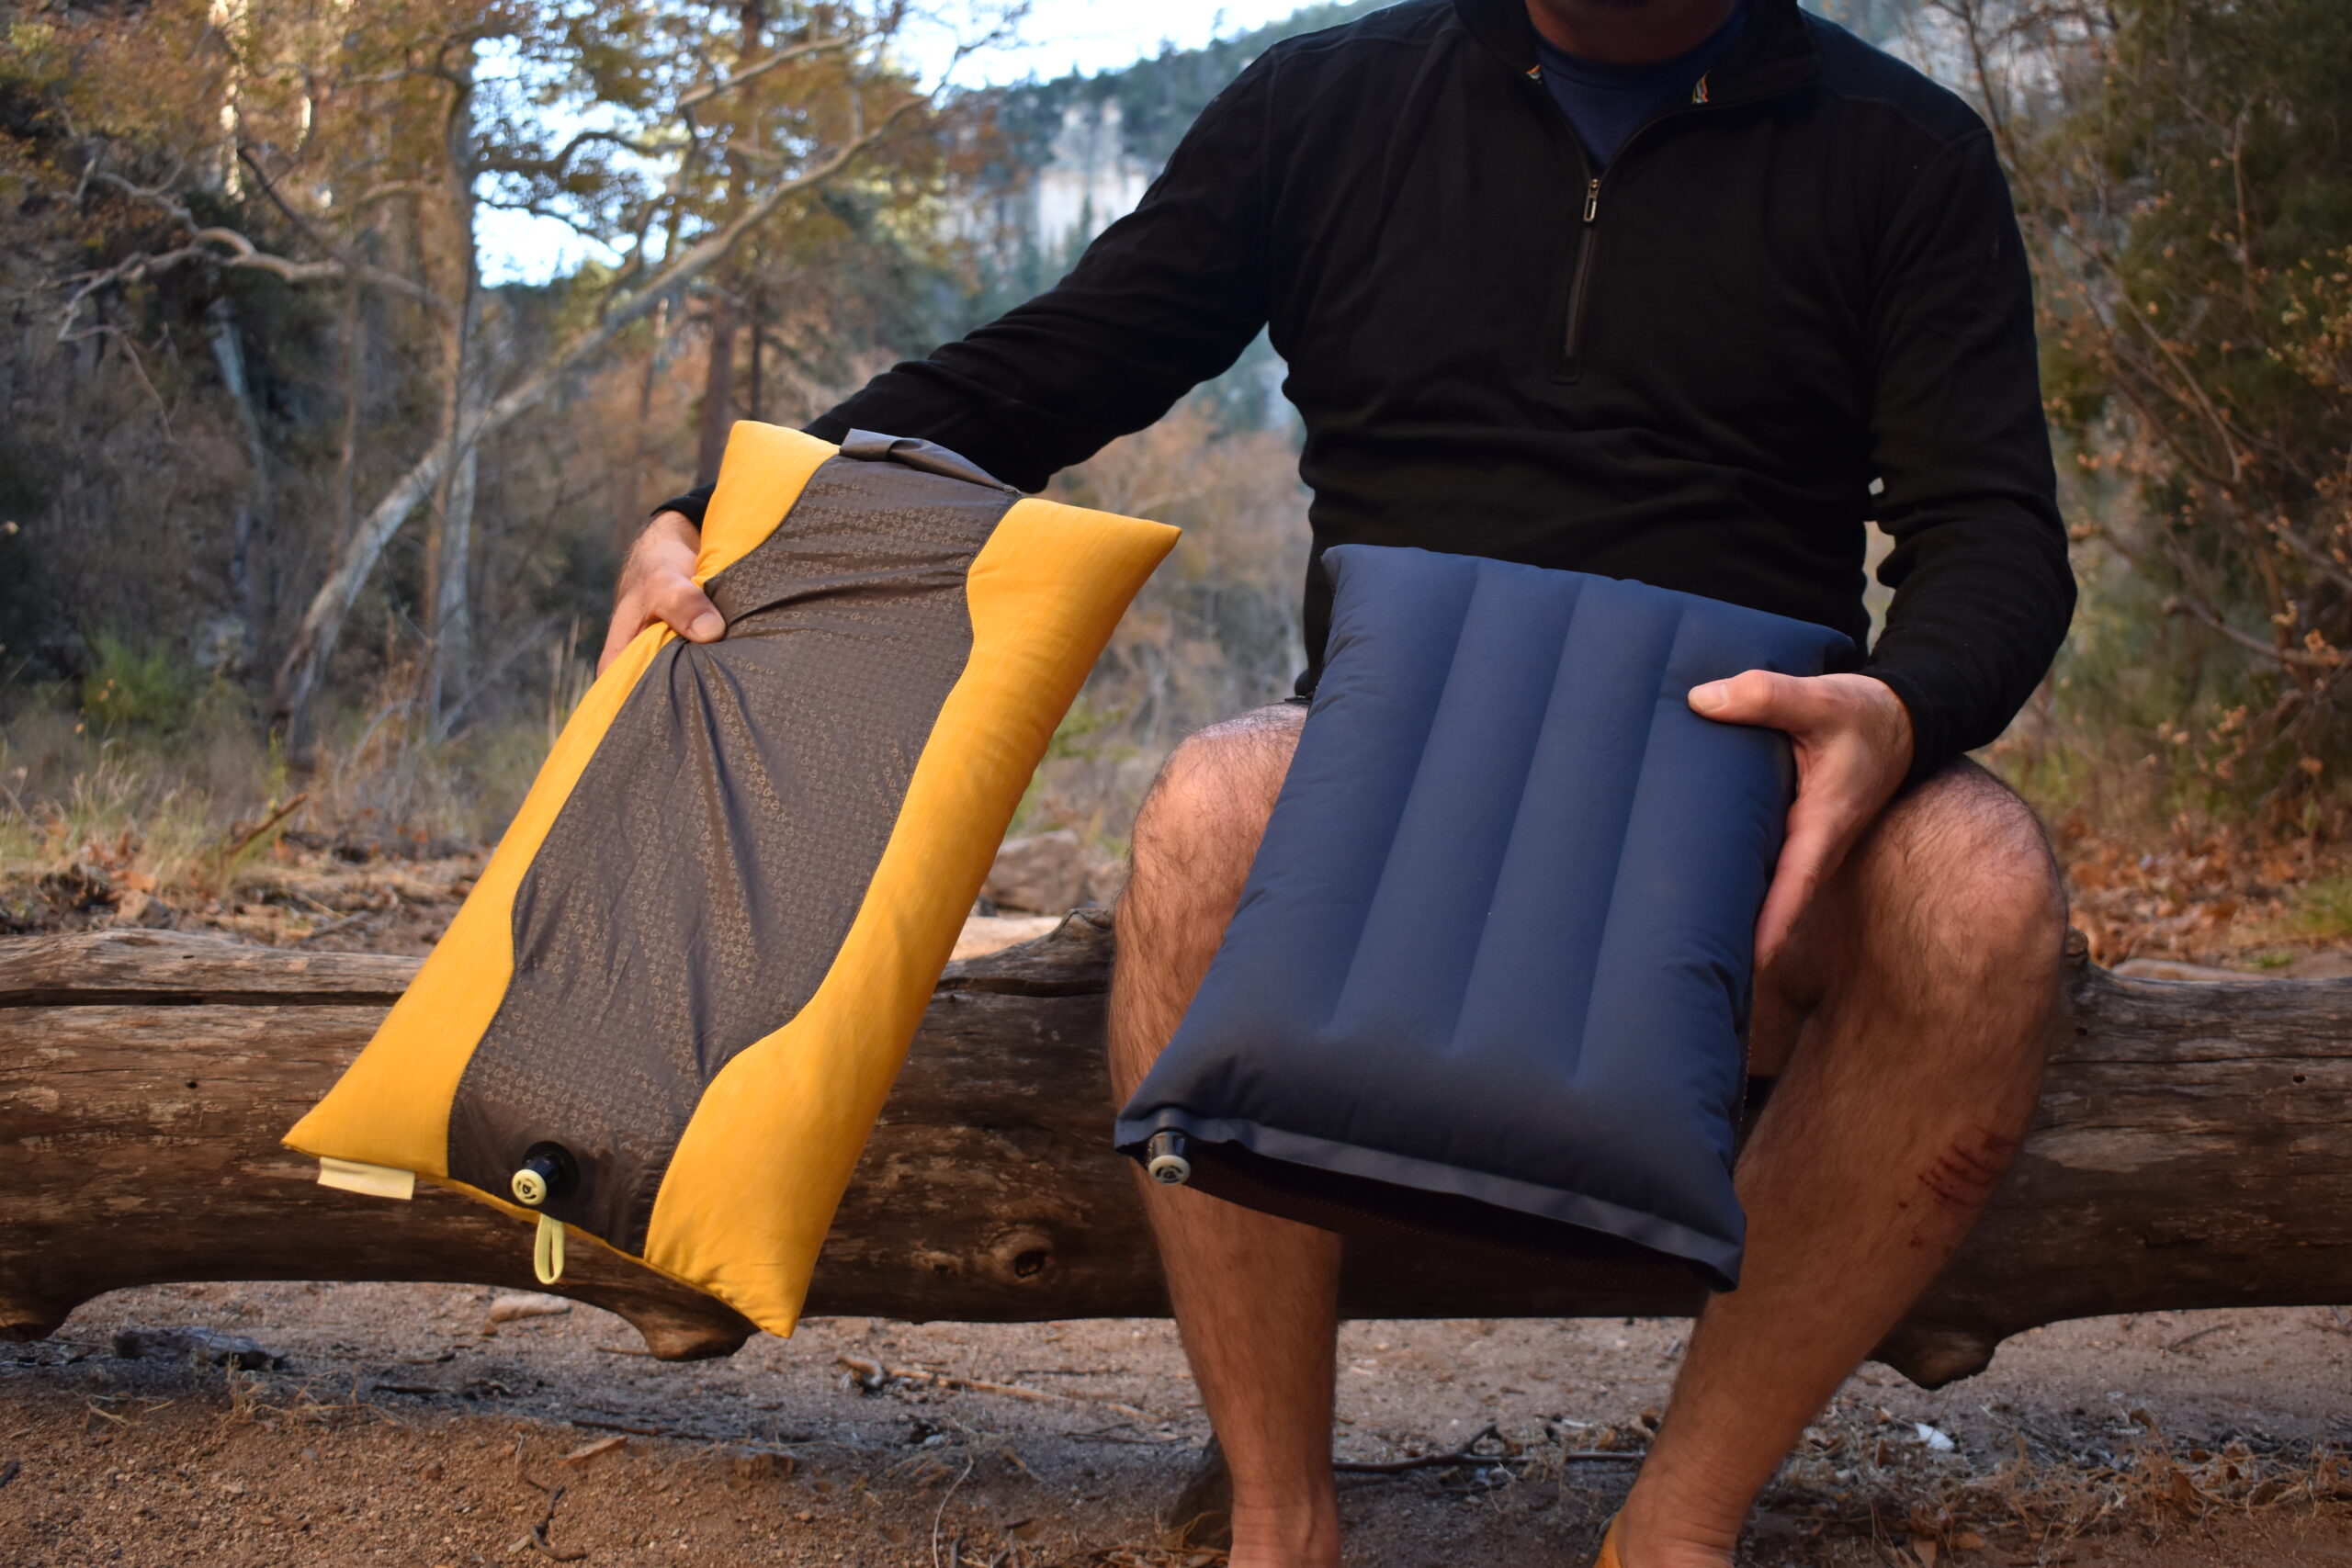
x=1921 y=993
x=1256 y=1297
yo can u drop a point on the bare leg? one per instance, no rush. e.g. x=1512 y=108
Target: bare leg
x=1927 y=983
x=1256 y=1297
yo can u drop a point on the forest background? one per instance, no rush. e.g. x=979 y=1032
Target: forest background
x=308 y=522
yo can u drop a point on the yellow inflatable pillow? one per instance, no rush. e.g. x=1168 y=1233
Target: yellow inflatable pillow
x=671 y=1008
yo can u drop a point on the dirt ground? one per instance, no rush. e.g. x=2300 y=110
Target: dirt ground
x=404 y=1426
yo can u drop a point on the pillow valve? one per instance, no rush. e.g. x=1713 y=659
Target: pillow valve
x=1164 y=1159
x=548 y=1171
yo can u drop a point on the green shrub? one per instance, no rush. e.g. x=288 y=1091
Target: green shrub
x=131 y=687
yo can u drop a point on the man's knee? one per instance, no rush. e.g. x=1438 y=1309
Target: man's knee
x=1194 y=838
x=1200 y=824
x=1959 y=875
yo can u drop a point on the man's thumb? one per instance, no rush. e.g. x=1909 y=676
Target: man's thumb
x=1754 y=697
x=689 y=609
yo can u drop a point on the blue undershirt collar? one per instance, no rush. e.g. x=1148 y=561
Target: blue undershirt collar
x=1606 y=104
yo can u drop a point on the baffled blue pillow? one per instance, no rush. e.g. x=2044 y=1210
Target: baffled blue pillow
x=1491 y=970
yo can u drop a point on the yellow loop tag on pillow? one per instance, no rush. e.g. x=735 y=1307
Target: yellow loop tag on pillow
x=547 y=1251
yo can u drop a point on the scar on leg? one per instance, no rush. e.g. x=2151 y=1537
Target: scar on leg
x=1963 y=1175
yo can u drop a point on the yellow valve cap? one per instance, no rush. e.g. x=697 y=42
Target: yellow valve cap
x=546 y=1171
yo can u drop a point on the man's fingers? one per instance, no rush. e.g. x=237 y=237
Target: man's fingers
x=671 y=598
x=1776 y=702
x=617 y=634
x=1804 y=863
x=1852 y=740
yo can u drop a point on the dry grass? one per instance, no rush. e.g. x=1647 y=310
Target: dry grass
x=202 y=817
x=204 y=814
x=1863 y=1472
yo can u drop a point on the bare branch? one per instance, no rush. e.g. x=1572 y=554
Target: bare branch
x=2205 y=614
x=2311 y=555
x=553 y=165
x=391 y=188
x=222 y=247
x=689 y=102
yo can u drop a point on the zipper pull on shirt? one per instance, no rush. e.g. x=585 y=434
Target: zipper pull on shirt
x=1581 y=282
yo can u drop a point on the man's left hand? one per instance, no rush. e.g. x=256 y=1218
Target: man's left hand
x=1852 y=737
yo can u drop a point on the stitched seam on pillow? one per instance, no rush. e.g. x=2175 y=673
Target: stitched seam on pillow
x=1340 y=997
x=1518 y=810
x=1625 y=830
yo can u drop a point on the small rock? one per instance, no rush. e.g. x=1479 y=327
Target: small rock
x=764 y=1467
x=1104 y=879
x=1045 y=873
x=984 y=934
x=1936 y=1438
x=205 y=1345
x=521 y=1304
x=145 y=910
x=587 y=1451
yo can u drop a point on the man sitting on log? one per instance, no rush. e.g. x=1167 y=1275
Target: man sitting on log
x=1676 y=290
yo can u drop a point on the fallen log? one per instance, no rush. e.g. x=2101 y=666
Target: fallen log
x=2193 y=1149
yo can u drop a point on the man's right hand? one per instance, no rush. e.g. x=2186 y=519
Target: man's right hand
x=657 y=584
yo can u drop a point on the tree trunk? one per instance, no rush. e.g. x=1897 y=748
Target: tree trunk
x=718 y=378
x=228 y=353
x=2193 y=1149
x=453 y=649
x=449 y=629
x=754 y=402
x=638 y=505
x=717 y=389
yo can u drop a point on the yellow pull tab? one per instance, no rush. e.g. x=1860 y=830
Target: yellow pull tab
x=547 y=1251
x=375 y=1180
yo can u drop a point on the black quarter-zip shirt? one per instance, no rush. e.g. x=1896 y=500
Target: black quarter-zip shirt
x=1690 y=372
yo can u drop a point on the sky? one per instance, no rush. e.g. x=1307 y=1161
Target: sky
x=1061 y=36
x=1056 y=37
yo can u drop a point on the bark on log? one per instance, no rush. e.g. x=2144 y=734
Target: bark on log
x=2194 y=1149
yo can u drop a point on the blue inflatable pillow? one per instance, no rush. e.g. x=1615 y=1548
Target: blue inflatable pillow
x=1490 y=974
